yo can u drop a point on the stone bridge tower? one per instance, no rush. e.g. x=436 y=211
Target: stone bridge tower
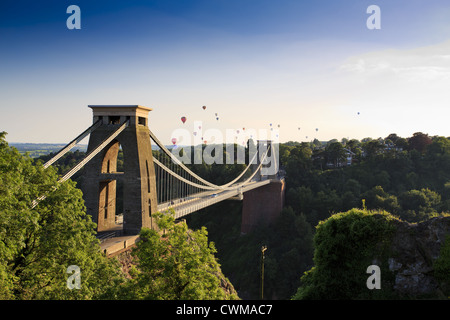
x=100 y=176
x=263 y=205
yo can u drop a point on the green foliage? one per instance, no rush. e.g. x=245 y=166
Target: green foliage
x=377 y=198
x=289 y=249
x=407 y=177
x=345 y=245
x=37 y=245
x=177 y=265
x=419 y=205
x=442 y=266
x=386 y=173
x=419 y=141
x=335 y=153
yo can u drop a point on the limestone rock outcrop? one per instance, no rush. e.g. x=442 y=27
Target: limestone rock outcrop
x=414 y=250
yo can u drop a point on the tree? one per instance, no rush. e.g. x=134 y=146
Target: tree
x=439 y=146
x=335 y=153
x=419 y=141
x=345 y=244
x=38 y=245
x=402 y=143
x=442 y=266
x=377 y=198
x=373 y=147
x=354 y=146
x=284 y=153
x=316 y=143
x=419 y=205
x=298 y=163
x=179 y=264
x=393 y=137
x=399 y=142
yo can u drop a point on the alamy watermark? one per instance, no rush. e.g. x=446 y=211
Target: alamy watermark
x=74 y=281
x=74 y=20
x=253 y=146
x=374 y=281
x=374 y=21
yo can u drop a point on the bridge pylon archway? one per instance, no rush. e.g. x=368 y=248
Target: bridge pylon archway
x=100 y=175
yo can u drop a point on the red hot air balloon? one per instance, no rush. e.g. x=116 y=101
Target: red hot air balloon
x=183 y=119
x=174 y=140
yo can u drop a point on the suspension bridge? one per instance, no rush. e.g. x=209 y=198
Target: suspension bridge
x=153 y=179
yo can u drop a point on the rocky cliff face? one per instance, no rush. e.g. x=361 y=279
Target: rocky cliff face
x=414 y=250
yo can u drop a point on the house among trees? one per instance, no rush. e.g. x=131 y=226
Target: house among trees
x=350 y=157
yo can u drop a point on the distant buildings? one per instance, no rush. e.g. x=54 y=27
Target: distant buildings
x=348 y=157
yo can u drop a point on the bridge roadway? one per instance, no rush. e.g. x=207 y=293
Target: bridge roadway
x=195 y=202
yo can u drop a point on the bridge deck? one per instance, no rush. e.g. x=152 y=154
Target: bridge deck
x=115 y=245
x=183 y=207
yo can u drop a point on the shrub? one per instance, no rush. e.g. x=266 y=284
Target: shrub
x=345 y=245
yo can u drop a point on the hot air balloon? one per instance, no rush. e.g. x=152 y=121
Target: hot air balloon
x=317 y=129
x=278 y=126
x=199 y=127
x=237 y=131
x=217 y=118
x=298 y=128
x=216 y=114
x=205 y=141
x=243 y=129
x=358 y=113
x=183 y=119
x=204 y=107
x=195 y=133
x=174 y=140
x=270 y=124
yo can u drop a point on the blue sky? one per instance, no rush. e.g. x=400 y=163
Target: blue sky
x=308 y=64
